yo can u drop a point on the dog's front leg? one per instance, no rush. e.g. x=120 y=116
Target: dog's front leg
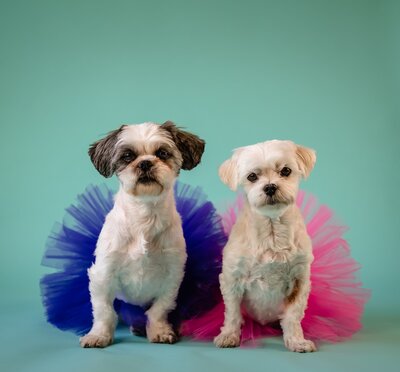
x=232 y=294
x=158 y=329
x=293 y=315
x=104 y=317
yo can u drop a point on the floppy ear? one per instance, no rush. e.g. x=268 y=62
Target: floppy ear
x=102 y=152
x=228 y=172
x=190 y=146
x=306 y=159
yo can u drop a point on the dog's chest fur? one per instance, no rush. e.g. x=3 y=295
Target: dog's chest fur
x=268 y=269
x=140 y=275
x=151 y=249
x=269 y=282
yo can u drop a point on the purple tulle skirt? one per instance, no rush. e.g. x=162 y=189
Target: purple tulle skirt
x=70 y=250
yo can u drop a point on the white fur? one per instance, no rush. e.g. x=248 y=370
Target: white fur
x=266 y=262
x=140 y=253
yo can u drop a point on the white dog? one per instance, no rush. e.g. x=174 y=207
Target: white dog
x=266 y=262
x=141 y=252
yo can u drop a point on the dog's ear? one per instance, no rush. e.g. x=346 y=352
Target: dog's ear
x=190 y=146
x=228 y=171
x=306 y=159
x=102 y=152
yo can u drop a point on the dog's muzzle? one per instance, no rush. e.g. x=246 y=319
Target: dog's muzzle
x=145 y=165
x=270 y=189
x=146 y=175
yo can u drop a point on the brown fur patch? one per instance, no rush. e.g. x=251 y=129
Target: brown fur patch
x=295 y=291
x=151 y=189
x=170 y=162
x=190 y=146
x=102 y=152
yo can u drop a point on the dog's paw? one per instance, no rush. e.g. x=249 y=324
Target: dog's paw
x=161 y=334
x=92 y=340
x=300 y=346
x=164 y=338
x=227 y=340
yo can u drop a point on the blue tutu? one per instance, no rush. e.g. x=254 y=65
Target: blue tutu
x=70 y=250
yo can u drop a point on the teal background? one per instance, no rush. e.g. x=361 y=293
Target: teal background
x=323 y=73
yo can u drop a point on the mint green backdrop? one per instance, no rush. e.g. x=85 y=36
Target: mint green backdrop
x=322 y=73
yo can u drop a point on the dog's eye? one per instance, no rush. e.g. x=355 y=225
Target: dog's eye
x=162 y=154
x=127 y=156
x=285 y=172
x=252 y=177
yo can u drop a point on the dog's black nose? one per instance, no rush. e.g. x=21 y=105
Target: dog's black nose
x=145 y=165
x=270 y=189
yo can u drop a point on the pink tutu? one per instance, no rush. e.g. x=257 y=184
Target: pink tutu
x=337 y=298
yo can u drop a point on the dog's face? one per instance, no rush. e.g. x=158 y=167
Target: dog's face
x=269 y=172
x=146 y=157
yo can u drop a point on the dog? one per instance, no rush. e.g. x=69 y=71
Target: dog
x=141 y=251
x=266 y=261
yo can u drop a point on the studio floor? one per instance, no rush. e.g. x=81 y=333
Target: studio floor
x=28 y=343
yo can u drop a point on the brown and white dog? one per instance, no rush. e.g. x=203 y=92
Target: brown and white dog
x=266 y=262
x=140 y=253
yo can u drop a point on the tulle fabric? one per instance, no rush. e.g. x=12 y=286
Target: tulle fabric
x=337 y=298
x=70 y=250
x=336 y=301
